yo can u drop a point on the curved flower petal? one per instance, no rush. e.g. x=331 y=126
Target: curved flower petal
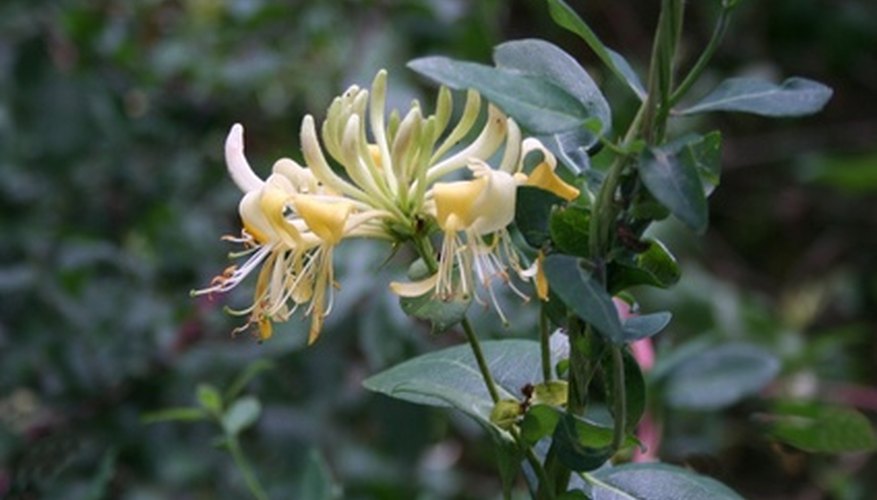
x=325 y=219
x=455 y=203
x=544 y=177
x=238 y=166
x=415 y=288
x=495 y=205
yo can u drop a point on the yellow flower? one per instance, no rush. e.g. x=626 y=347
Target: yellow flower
x=476 y=247
x=474 y=214
x=390 y=163
x=394 y=177
x=327 y=219
x=544 y=176
x=291 y=222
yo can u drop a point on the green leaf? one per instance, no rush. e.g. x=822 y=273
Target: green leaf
x=532 y=211
x=541 y=59
x=567 y=18
x=568 y=228
x=794 y=97
x=582 y=445
x=552 y=392
x=505 y=413
x=249 y=373
x=441 y=314
x=573 y=495
x=627 y=74
x=852 y=173
x=508 y=457
x=571 y=148
x=659 y=263
x=654 y=267
x=634 y=389
x=703 y=153
x=645 y=325
x=102 y=479
x=185 y=413
x=537 y=104
x=676 y=185
x=450 y=377
x=241 y=414
x=209 y=398
x=539 y=422
x=583 y=295
x=654 y=481
x=817 y=428
x=316 y=480
x=719 y=376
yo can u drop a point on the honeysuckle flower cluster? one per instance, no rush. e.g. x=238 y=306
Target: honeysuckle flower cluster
x=393 y=183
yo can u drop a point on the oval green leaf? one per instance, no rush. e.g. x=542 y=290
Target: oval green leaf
x=450 y=377
x=532 y=212
x=645 y=325
x=569 y=230
x=241 y=414
x=655 y=267
x=537 y=104
x=794 y=97
x=209 y=398
x=719 y=376
x=582 y=445
x=441 y=314
x=583 y=295
x=676 y=185
x=539 y=422
x=654 y=481
x=634 y=390
x=541 y=59
x=566 y=17
x=818 y=428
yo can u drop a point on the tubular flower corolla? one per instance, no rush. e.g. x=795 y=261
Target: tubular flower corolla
x=392 y=178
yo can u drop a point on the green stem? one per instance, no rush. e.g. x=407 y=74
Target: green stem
x=604 y=210
x=479 y=358
x=705 y=57
x=426 y=252
x=244 y=467
x=660 y=80
x=545 y=344
x=533 y=460
x=578 y=332
x=619 y=398
x=424 y=248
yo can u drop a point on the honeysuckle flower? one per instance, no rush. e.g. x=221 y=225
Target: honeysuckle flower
x=474 y=214
x=291 y=222
x=390 y=163
x=394 y=170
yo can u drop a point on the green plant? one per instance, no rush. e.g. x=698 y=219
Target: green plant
x=564 y=408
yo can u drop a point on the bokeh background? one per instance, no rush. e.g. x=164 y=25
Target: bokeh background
x=113 y=196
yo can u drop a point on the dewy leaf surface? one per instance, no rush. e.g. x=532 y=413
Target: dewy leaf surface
x=794 y=97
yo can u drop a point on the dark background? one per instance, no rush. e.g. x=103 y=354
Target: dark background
x=113 y=196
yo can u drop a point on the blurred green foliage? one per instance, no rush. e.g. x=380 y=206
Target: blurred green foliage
x=113 y=195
